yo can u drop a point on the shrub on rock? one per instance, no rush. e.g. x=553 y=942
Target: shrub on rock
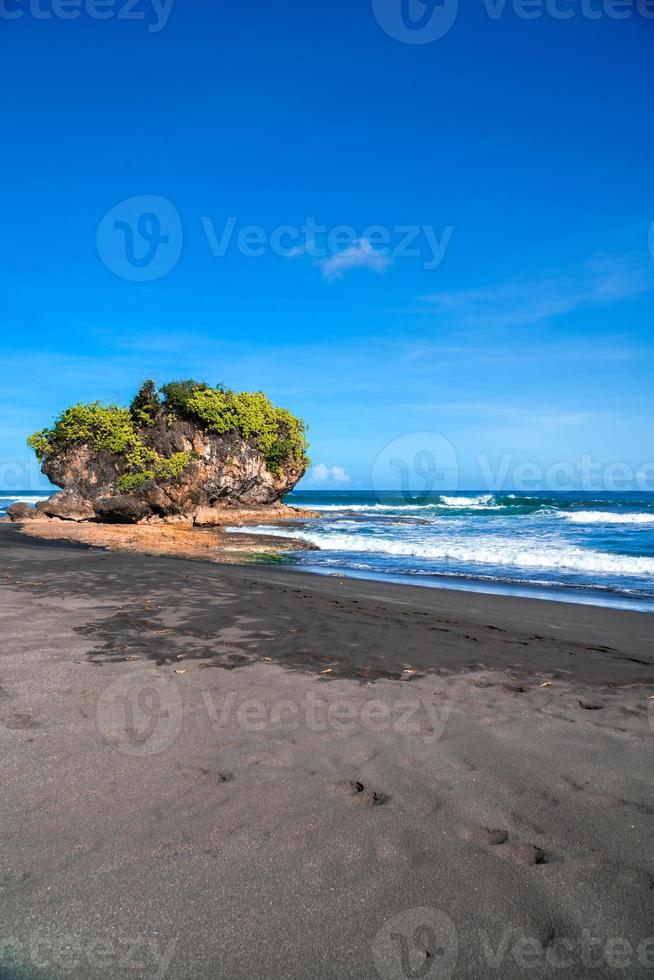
x=195 y=446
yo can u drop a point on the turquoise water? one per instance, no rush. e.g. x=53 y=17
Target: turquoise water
x=591 y=547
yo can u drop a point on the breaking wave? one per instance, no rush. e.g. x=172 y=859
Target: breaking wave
x=484 y=501
x=478 y=551
x=604 y=517
x=8 y=499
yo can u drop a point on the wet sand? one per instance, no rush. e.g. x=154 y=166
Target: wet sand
x=250 y=772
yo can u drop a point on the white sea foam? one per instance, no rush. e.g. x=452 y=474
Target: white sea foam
x=9 y=499
x=482 y=502
x=366 y=508
x=488 y=551
x=604 y=517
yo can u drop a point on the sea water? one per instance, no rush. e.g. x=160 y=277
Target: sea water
x=596 y=547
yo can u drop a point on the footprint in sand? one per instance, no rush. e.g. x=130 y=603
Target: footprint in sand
x=523 y=854
x=364 y=794
x=498 y=839
x=486 y=836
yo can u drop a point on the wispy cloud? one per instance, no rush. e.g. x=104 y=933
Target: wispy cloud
x=546 y=418
x=359 y=255
x=521 y=303
x=544 y=347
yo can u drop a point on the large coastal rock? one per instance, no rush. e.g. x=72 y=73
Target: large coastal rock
x=69 y=505
x=188 y=471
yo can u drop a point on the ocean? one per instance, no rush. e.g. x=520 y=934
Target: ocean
x=585 y=547
x=9 y=497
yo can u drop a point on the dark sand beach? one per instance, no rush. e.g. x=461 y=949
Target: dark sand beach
x=231 y=771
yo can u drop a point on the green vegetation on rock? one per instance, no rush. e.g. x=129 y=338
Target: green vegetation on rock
x=103 y=427
x=275 y=432
x=145 y=404
x=124 y=432
x=140 y=457
x=133 y=481
x=177 y=393
x=163 y=468
x=41 y=444
x=172 y=467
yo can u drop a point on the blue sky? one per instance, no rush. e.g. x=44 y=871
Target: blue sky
x=518 y=153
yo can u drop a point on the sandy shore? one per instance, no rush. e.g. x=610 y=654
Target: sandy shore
x=221 y=771
x=178 y=539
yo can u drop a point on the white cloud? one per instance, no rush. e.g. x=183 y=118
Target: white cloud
x=321 y=473
x=359 y=255
x=600 y=282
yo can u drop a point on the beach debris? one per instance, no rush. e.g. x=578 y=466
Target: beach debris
x=327 y=670
x=515 y=688
x=588 y=706
x=267 y=660
x=546 y=684
x=369 y=796
x=181 y=670
x=410 y=670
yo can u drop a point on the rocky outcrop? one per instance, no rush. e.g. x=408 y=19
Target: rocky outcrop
x=120 y=508
x=173 y=466
x=69 y=505
x=20 y=512
x=222 y=471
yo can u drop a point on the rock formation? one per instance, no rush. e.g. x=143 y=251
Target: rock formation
x=184 y=456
